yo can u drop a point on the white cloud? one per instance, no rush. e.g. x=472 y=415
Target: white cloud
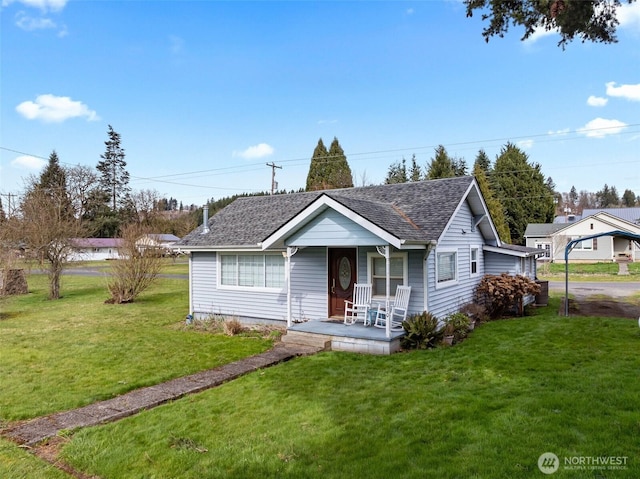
x=596 y=101
x=628 y=92
x=629 y=16
x=253 y=152
x=563 y=132
x=29 y=24
x=601 y=127
x=44 y=5
x=55 y=109
x=540 y=32
x=28 y=162
x=525 y=144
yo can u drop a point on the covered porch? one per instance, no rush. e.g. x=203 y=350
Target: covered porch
x=334 y=335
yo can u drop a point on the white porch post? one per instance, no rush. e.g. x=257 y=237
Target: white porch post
x=385 y=251
x=387 y=257
x=287 y=273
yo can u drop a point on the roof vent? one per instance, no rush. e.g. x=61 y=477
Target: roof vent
x=205 y=219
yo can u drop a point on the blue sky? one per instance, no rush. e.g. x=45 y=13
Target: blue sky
x=205 y=93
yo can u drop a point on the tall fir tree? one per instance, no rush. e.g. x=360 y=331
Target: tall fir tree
x=483 y=161
x=114 y=177
x=523 y=190
x=318 y=168
x=329 y=169
x=496 y=210
x=628 y=198
x=415 y=172
x=397 y=173
x=3 y=216
x=340 y=173
x=608 y=197
x=440 y=165
x=53 y=184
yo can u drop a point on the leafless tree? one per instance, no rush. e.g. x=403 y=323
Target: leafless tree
x=81 y=179
x=136 y=269
x=45 y=228
x=145 y=205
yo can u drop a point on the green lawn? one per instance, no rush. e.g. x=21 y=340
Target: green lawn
x=62 y=354
x=590 y=271
x=486 y=408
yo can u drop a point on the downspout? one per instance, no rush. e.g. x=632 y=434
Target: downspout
x=430 y=246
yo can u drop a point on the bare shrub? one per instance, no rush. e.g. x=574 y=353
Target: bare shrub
x=134 y=271
x=233 y=327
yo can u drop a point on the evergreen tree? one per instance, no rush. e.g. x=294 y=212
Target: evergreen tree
x=415 y=173
x=114 y=178
x=523 y=190
x=496 y=210
x=459 y=166
x=53 y=184
x=573 y=196
x=483 y=162
x=329 y=169
x=607 y=197
x=628 y=198
x=397 y=173
x=3 y=216
x=441 y=165
x=318 y=168
x=340 y=173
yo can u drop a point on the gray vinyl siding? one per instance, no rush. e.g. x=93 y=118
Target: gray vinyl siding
x=331 y=228
x=309 y=295
x=415 y=262
x=500 y=263
x=207 y=299
x=459 y=237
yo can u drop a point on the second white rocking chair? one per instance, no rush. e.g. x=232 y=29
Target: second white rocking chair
x=398 y=312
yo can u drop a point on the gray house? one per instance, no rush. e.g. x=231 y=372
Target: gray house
x=295 y=258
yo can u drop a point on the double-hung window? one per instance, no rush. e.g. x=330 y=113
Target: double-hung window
x=252 y=270
x=446 y=267
x=474 y=255
x=377 y=272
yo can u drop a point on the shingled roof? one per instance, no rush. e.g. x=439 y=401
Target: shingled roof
x=417 y=211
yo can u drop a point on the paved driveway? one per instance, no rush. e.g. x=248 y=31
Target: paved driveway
x=585 y=288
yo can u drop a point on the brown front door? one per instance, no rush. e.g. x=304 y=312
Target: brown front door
x=342 y=276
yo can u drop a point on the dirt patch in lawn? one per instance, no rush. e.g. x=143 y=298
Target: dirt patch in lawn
x=605 y=307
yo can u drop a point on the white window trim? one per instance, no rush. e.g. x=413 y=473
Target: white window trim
x=451 y=282
x=226 y=287
x=580 y=245
x=478 y=249
x=405 y=270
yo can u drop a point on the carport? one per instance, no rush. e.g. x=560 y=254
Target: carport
x=572 y=243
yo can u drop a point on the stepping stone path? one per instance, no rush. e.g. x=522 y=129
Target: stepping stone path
x=34 y=431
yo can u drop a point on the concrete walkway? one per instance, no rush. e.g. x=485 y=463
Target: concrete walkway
x=32 y=432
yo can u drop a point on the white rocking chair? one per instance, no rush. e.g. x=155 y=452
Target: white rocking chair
x=358 y=309
x=398 y=312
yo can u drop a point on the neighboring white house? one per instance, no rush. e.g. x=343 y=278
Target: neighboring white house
x=164 y=243
x=95 y=249
x=296 y=257
x=553 y=238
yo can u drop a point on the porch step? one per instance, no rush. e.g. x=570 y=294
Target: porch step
x=302 y=338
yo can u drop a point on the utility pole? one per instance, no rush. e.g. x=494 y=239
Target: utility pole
x=274 y=185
